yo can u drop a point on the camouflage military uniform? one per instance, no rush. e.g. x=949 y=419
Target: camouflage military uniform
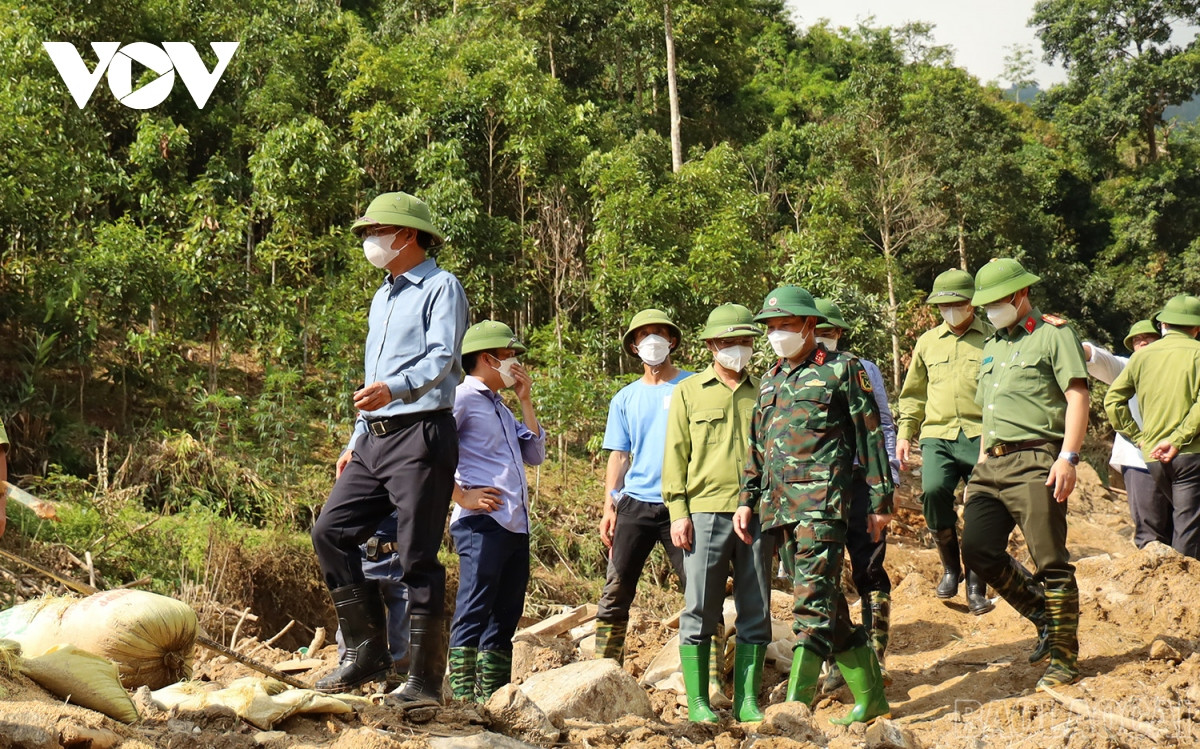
x=810 y=423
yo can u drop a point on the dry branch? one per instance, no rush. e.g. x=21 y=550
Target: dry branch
x=1079 y=707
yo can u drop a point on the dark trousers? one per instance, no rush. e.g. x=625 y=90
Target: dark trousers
x=943 y=464
x=1009 y=491
x=640 y=525
x=493 y=571
x=1178 y=482
x=866 y=556
x=415 y=467
x=1150 y=511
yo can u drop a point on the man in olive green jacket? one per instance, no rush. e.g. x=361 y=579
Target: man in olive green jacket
x=708 y=431
x=937 y=402
x=1165 y=377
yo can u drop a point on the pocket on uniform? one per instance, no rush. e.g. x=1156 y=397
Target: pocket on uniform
x=706 y=425
x=405 y=338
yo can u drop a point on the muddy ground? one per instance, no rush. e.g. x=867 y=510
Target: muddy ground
x=959 y=680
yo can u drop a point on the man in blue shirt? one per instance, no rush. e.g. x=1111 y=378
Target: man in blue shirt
x=635 y=517
x=404 y=443
x=490 y=525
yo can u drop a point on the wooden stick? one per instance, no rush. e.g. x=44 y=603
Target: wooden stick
x=318 y=641
x=237 y=629
x=1079 y=707
x=87 y=555
x=144 y=580
x=281 y=633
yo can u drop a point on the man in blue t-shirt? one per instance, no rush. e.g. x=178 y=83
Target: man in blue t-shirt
x=635 y=517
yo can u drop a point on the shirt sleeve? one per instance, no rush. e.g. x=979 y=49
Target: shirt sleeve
x=885 y=416
x=1105 y=366
x=360 y=428
x=1116 y=405
x=752 y=487
x=1069 y=363
x=677 y=455
x=868 y=432
x=533 y=446
x=913 y=395
x=616 y=430
x=445 y=324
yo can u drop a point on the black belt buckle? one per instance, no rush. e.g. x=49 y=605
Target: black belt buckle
x=377 y=428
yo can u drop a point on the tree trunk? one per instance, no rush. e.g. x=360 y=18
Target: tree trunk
x=673 y=92
x=962 y=242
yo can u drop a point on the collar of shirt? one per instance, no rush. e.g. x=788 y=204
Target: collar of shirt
x=976 y=324
x=1172 y=333
x=1025 y=326
x=416 y=274
x=709 y=375
x=477 y=384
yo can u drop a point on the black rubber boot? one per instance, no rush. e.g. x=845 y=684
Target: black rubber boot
x=952 y=573
x=428 y=669
x=363 y=622
x=978 y=602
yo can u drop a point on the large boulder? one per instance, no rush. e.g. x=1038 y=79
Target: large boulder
x=597 y=691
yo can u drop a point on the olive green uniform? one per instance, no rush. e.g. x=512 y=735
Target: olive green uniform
x=937 y=402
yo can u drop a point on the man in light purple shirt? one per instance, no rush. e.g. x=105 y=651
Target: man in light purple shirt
x=490 y=524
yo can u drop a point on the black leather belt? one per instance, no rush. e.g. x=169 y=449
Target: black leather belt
x=1004 y=448
x=389 y=424
x=376 y=550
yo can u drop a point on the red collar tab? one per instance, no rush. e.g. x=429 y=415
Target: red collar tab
x=1029 y=324
x=819 y=356
x=1054 y=320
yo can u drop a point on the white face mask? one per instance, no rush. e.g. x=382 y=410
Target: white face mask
x=787 y=343
x=1001 y=314
x=830 y=344
x=505 y=370
x=734 y=358
x=378 y=249
x=955 y=316
x=654 y=349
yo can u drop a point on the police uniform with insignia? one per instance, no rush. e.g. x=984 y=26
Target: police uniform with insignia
x=1028 y=366
x=815 y=416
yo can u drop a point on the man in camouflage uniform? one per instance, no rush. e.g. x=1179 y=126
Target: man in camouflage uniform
x=1034 y=398
x=816 y=415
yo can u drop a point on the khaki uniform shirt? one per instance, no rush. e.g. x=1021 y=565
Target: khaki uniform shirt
x=1024 y=377
x=708 y=435
x=938 y=397
x=1165 y=376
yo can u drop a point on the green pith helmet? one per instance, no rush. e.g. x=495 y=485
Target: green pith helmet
x=488 y=335
x=999 y=278
x=833 y=315
x=952 y=287
x=1182 y=310
x=398 y=209
x=730 y=321
x=648 y=317
x=1141 y=327
x=787 y=301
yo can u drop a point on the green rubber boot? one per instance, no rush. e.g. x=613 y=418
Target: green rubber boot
x=610 y=640
x=693 y=661
x=861 y=671
x=495 y=670
x=806 y=670
x=462 y=673
x=1062 y=609
x=747 y=679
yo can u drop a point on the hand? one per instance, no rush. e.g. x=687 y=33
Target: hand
x=877 y=525
x=523 y=386
x=372 y=397
x=486 y=498
x=1164 y=452
x=608 y=524
x=1062 y=478
x=342 y=461
x=902 y=452
x=681 y=533
x=741 y=524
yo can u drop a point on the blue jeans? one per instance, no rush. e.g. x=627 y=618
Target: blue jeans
x=493 y=571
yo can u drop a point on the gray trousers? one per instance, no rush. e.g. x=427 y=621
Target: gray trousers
x=714 y=547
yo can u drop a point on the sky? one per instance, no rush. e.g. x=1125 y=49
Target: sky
x=981 y=33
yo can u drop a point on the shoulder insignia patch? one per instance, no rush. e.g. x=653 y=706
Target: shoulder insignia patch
x=1054 y=320
x=864 y=381
x=819 y=356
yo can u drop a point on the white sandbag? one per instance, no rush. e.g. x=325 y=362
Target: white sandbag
x=149 y=637
x=260 y=702
x=82 y=679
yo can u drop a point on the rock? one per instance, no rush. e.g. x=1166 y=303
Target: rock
x=535 y=654
x=888 y=734
x=262 y=738
x=512 y=712
x=73 y=734
x=485 y=740
x=791 y=719
x=1156 y=550
x=587 y=648
x=366 y=738
x=664 y=664
x=23 y=736
x=1161 y=651
x=598 y=691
